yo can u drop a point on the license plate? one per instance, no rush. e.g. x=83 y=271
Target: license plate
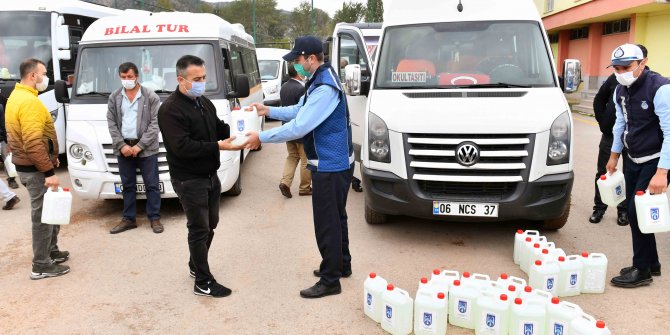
x=465 y=209
x=141 y=188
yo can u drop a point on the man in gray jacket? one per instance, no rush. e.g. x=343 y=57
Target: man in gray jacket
x=132 y=117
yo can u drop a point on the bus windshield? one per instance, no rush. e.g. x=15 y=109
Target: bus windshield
x=98 y=66
x=269 y=69
x=465 y=55
x=23 y=35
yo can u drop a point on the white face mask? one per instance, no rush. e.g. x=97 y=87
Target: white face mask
x=43 y=85
x=626 y=78
x=128 y=84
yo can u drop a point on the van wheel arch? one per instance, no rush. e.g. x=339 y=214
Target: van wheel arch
x=559 y=222
x=373 y=217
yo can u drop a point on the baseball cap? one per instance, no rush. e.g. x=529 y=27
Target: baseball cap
x=624 y=54
x=304 y=45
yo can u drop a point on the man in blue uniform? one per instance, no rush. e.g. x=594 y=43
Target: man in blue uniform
x=321 y=119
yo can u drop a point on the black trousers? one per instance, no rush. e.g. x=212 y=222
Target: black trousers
x=638 y=177
x=604 y=152
x=329 y=202
x=200 y=200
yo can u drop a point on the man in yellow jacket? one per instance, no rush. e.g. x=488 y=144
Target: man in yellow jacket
x=34 y=146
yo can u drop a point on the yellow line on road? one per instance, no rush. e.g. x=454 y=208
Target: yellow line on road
x=587 y=121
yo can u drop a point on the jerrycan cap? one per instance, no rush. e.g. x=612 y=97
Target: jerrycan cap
x=373 y=275
x=518 y=301
x=536 y=246
x=600 y=324
x=424 y=280
x=545 y=251
x=561 y=259
x=520 y=231
x=555 y=300
x=503 y=297
x=390 y=287
x=528 y=239
x=440 y=295
x=603 y=177
x=466 y=274
x=638 y=193
x=538 y=262
x=236 y=108
x=436 y=272
x=457 y=282
x=504 y=276
x=66 y=190
x=511 y=288
x=528 y=289
x=585 y=254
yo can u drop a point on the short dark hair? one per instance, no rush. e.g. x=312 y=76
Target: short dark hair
x=644 y=50
x=185 y=61
x=29 y=65
x=127 y=66
x=291 y=70
x=319 y=57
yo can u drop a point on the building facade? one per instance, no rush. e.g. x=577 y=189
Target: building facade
x=589 y=30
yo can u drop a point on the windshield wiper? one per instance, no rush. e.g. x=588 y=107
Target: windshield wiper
x=103 y=94
x=163 y=91
x=494 y=85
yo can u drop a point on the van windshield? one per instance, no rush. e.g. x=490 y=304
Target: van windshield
x=98 y=66
x=269 y=69
x=23 y=35
x=465 y=55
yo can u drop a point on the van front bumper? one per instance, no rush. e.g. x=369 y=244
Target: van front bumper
x=543 y=199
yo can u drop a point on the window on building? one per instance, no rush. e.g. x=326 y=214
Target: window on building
x=553 y=38
x=616 y=26
x=579 y=33
x=549 y=6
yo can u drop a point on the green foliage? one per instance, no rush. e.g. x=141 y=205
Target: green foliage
x=375 y=11
x=351 y=12
x=301 y=21
x=270 y=22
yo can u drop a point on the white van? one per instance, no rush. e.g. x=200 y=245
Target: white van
x=154 y=42
x=49 y=31
x=274 y=73
x=465 y=118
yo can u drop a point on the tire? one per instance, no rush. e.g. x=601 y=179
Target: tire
x=373 y=217
x=237 y=187
x=558 y=223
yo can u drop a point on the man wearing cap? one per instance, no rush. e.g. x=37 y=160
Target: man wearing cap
x=642 y=133
x=321 y=119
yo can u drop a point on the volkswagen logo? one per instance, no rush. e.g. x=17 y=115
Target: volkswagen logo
x=467 y=154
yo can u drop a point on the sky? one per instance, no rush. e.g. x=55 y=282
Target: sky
x=329 y=6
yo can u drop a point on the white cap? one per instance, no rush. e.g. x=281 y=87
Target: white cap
x=625 y=54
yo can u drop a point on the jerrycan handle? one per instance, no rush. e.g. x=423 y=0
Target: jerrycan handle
x=587 y=317
x=478 y=276
x=519 y=281
x=550 y=245
x=541 y=239
x=402 y=291
x=49 y=190
x=451 y=273
x=544 y=294
x=574 y=307
x=532 y=232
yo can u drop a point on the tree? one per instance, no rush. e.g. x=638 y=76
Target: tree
x=301 y=19
x=270 y=23
x=165 y=5
x=375 y=11
x=351 y=12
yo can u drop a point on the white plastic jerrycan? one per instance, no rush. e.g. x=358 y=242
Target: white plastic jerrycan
x=585 y=324
x=570 y=278
x=537 y=252
x=373 y=288
x=477 y=280
x=242 y=123
x=612 y=188
x=594 y=272
x=519 y=238
x=462 y=305
x=527 y=257
x=551 y=254
x=506 y=280
x=430 y=312
x=397 y=311
x=10 y=167
x=541 y=296
x=560 y=315
x=57 y=206
x=544 y=276
x=492 y=314
x=527 y=318
x=653 y=215
x=443 y=279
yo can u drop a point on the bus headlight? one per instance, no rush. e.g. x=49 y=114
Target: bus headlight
x=378 y=139
x=558 y=151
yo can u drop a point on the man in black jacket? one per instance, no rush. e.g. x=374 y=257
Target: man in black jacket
x=4 y=148
x=193 y=136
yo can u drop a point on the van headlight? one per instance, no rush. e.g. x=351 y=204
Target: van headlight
x=79 y=151
x=378 y=139
x=558 y=151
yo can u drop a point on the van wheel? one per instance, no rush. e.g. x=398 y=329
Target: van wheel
x=374 y=217
x=237 y=187
x=558 y=223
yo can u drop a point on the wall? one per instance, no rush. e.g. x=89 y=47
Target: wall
x=559 y=5
x=607 y=44
x=656 y=41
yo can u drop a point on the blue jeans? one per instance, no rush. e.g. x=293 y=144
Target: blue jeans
x=149 y=169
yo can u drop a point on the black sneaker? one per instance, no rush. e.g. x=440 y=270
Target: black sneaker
x=212 y=289
x=51 y=270
x=59 y=256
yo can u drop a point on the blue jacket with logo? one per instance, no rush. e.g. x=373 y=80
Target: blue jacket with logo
x=643 y=119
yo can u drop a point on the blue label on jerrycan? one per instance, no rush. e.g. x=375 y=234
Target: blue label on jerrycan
x=618 y=190
x=240 y=125
x=528 y=329
x=389 y=312
x=558 y=329
x=427 y=319
x=655 y=213
x=490 y=320
x=369 y=299
x=462 y=306
x=550 y=283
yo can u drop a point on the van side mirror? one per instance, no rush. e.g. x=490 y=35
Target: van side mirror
x=352 y=79
x=62 y=35
x=61 y=93
x=241 y=87
x=572 y=75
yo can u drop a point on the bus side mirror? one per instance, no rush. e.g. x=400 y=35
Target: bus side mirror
x=62 y=35
x=60 y=90
x=572 y=75
x=352 y=79
x=242 y=87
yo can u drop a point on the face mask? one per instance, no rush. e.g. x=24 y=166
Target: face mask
x=626 y=78
x=128 y=84
x=197 y=88
x=301 y=70
x=43 y=85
